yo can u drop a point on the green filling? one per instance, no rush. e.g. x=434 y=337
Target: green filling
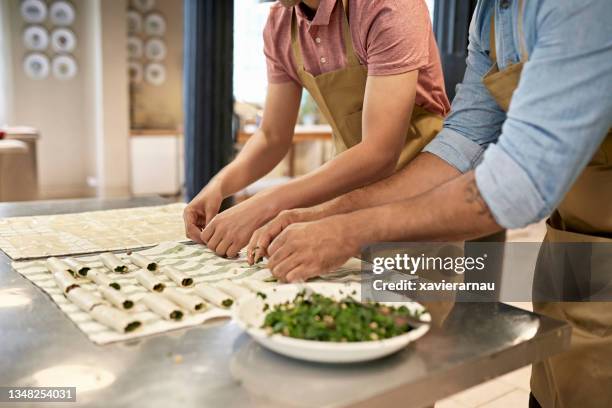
x=152 y=266
x=187 y=282
x=199 y=306
x=128 y=304
x=227 y=302
x=115 y=285
x=176 y=315
x=83 y=271
x=132 y=326
x=159 y=287
x=317 y=317
x=121 y=269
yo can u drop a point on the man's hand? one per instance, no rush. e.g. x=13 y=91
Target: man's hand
x=201 y=210
x=231 y=230
x=305 y=250
x=261 y=239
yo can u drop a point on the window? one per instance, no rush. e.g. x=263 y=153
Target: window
x=250 y=78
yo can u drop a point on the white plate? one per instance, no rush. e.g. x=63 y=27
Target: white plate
x=134 y=22
x=155 y=25
x=33 y=11
x=36 y=38
x=155 y=50
x=250 y=316
x=155 y=74
x=134 y=47
x=36 y=65
x=64 y=67
x=63 y=40
x=62 y=13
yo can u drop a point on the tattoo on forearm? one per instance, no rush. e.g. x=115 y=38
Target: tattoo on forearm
x=472 y=196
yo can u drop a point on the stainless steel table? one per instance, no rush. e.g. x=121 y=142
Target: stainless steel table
x=215 y=365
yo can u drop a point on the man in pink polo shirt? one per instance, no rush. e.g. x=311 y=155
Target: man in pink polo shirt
x=374 y=70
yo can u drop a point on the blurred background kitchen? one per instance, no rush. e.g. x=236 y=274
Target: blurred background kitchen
x=93 y=92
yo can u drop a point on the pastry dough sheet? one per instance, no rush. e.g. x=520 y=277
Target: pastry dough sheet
x=196 y=261
x=89 y=232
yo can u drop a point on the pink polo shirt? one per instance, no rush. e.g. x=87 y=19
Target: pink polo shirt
x=390 y=37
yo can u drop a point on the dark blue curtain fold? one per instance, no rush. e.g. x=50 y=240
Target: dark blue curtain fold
x=451 y=25
x=208 y=73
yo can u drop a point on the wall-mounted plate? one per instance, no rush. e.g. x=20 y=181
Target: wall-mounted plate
x=62 y=13
x=155 y=49
x=155 y=25
x=143 y=5
x=64 y=67
x=134 y=48
x=155 y=74
x=135 y=72
x=134 y=22
x=33 y=11
x=35 y=38
x=63 y=40
x=36 y=65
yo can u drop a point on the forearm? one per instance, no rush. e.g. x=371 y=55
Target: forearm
x=450 y=212
x=256 y=159
x=425 y=172
x=356 y=167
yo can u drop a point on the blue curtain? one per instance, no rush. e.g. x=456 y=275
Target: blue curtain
x=208 y=61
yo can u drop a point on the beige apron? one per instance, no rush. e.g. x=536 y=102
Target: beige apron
x=582 y=376
x=339 y=95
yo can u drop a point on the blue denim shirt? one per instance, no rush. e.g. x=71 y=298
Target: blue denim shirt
x=526 y=160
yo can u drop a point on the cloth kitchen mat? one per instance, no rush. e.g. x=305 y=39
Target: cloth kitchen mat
x=89 y=232
x=197 y=261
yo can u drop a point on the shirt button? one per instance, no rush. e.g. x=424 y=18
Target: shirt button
x=318 y=40
x=504 y=4
x=323 y=60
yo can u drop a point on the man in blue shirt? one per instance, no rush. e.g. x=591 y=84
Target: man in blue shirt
x=527 y=137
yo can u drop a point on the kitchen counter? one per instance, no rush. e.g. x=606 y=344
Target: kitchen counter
x=217 y=365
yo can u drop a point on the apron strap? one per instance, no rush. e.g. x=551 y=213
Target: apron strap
x=349 y=47
x=521 y=35
x=295 y=44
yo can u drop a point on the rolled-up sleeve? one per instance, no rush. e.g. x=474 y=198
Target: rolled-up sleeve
x=475 y=119
x=558 y=117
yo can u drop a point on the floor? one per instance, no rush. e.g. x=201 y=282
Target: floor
x=512 y=389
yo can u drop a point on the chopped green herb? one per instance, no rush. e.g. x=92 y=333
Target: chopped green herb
x=317 y=317
x=262 y=295
x=227 y=302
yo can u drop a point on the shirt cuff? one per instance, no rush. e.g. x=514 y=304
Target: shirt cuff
x=512 y=197
x=455 y=149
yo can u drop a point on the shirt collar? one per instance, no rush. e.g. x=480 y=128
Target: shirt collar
x=323 y=14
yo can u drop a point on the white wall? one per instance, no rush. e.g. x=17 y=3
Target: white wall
x=5 y=65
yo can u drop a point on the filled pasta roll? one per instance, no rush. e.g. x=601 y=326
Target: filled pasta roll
x=84 y=299
x=180 y=278
x=101 y=279
x=77 y=268
x=57 y=265
x=143 y=262
x=256 y=285
x=162 y=306
x=233 y=289
x=185 y=300
x=113 y=262
x=149 y=281
x=116 y=297
x=65 y=281
x=213 y=295
x=115 y=319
